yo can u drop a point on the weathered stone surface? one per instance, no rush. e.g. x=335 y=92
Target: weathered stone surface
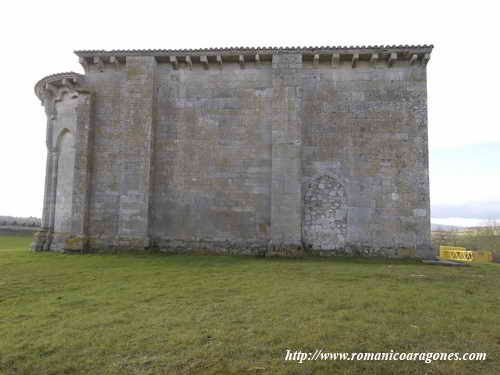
x=247 y=151
x=325 y=214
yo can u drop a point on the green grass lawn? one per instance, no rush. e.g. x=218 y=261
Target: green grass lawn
x=157 y=314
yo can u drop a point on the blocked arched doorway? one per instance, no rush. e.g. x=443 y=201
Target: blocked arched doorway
x=65 y=148
x=325 y=214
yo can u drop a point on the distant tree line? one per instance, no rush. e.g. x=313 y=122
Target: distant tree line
x=20 y=221
x=485 y=238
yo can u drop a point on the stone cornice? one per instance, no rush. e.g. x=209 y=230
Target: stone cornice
x=55 y=85
x=255 y=50
x=334 y=54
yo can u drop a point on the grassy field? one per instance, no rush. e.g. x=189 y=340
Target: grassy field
x=157 y=314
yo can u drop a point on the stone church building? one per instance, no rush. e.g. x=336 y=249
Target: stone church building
x=257 y=151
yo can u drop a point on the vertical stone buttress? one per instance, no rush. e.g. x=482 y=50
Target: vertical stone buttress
x=84 y=141
x=286 y=186
x=137 y=119
x=424 y=247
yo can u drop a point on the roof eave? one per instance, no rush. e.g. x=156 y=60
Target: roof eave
x=263 y=50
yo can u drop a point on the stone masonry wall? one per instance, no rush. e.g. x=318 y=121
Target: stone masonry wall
x=240 y=154
x=106 y=158
x=213 y=156
x=367 y=128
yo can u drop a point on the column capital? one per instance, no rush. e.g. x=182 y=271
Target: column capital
x=53 y=88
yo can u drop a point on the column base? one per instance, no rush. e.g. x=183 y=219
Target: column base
x=41 y=241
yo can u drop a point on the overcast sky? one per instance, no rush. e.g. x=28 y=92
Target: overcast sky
x=38 y=39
